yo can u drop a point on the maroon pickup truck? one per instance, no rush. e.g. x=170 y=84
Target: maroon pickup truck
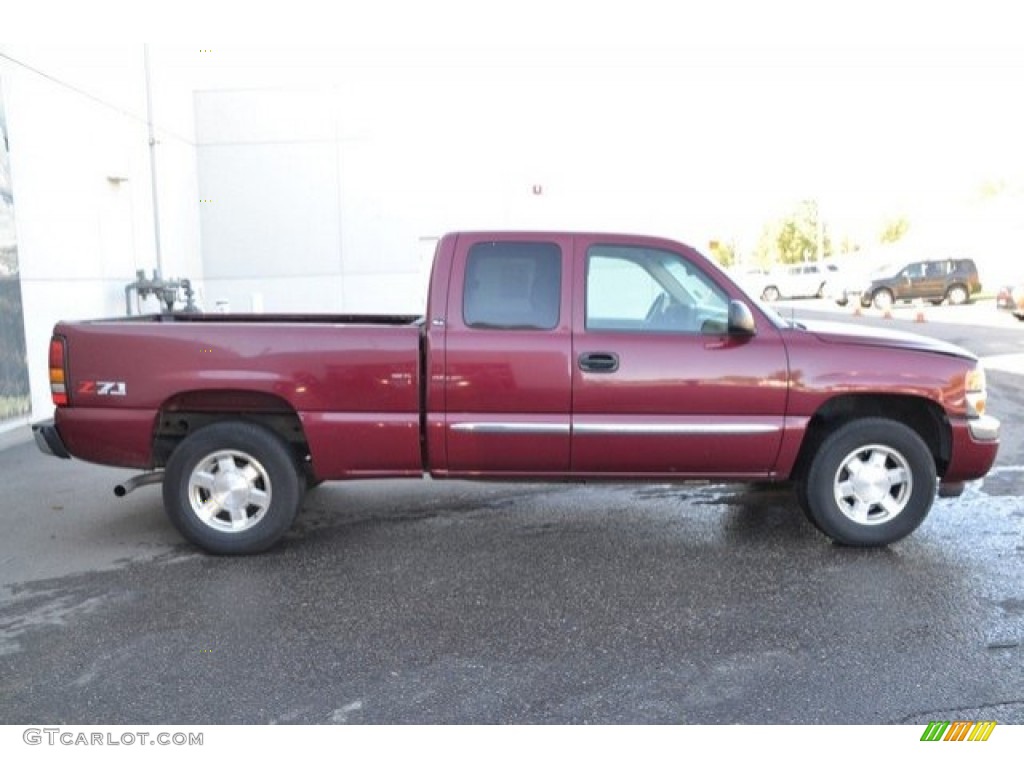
x=547 y=356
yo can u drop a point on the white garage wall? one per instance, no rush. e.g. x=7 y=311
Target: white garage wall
x=327 y=199
x=82 y=189
x=305 y=210
x=269 y=205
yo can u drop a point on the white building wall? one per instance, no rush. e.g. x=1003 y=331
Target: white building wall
x=269 y=200
x=80 y=171
x=330 y=198
x=302 y=211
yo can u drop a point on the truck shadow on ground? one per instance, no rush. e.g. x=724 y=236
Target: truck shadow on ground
x=762 y=513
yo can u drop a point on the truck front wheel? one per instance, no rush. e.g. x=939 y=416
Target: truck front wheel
x=232 y=488
x=871 y=483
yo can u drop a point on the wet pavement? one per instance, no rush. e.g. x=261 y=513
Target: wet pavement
x=449 y=602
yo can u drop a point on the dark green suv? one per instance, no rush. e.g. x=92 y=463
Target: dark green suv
x=936 y=280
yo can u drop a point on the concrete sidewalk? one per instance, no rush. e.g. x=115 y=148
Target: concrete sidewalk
x=60 y=516
x=16 y=436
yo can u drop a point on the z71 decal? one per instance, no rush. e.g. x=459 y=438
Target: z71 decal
x=103 y=388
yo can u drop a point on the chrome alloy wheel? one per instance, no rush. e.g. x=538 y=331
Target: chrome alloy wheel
x=873 y=484
x=229 y=491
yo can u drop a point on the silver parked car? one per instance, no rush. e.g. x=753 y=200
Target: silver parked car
x=799 y=281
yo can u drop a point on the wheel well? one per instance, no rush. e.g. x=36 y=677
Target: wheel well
x=958 y=284
x=923 y=416
x=185 y=413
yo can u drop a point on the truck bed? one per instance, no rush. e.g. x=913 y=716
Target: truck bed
x=352 y=381
x=314 y=319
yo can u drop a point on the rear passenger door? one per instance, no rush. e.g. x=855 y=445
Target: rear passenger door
x=507 y=369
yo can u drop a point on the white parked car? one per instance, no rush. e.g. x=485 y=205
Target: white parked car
x=798 y=281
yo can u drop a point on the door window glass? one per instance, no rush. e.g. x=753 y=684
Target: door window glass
x=641 y=289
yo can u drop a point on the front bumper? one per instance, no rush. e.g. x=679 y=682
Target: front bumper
x=48 y=439
x=974 y=449
x=984 y=428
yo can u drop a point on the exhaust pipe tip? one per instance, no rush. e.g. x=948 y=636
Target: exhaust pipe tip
x=149 y=478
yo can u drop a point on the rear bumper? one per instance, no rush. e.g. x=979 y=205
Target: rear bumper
x=48 y=439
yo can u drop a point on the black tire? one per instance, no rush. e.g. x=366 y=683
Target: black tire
x=771 y=293
x=882 y=299
x=859 y=511
x=311 y=480
x=958 y=294
x=232 y=488
x=811 y=446
x=800 y=491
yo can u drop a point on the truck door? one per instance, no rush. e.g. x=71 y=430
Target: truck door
x=659 y=387
x=507 y=368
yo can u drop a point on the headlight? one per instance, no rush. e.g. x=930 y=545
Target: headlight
x=974 y=388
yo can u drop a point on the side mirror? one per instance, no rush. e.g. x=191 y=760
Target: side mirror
x=741 y=320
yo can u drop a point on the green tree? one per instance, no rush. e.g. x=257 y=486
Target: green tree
x=894 y=229
x=801 y=236
x=848 y=245
x=993 y=188
x=724 y=253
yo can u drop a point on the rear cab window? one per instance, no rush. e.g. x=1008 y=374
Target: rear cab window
x=513 y=286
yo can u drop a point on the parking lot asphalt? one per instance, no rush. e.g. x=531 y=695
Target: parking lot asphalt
x=451 y=602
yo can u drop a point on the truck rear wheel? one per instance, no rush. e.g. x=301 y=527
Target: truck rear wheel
x=871 y=483
x=232 y=488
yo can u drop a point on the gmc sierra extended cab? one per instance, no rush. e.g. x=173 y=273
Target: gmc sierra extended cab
x=545 y=356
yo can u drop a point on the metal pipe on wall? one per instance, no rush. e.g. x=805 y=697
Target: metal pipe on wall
x=152 y=163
